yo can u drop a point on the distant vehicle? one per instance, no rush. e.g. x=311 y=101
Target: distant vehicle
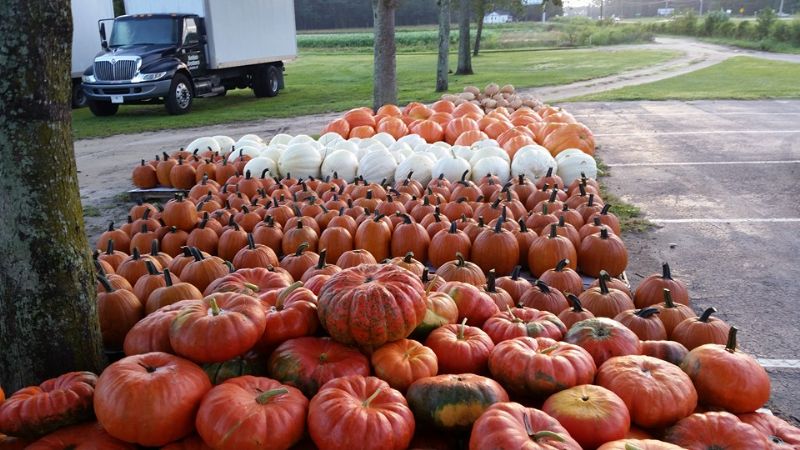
x=172 y=51
x=85 y=46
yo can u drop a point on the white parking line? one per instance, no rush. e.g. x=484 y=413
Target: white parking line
x=682 y=114
x=704 y=163
x=779 y=363
x=730 y=220
x=689 y=133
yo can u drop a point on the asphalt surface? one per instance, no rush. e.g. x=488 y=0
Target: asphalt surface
x=729 y=225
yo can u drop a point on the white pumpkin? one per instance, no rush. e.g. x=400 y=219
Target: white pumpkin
x=439 y=152
x=420 y=164
x=247 y=143
x=533 y=161
x=571 y=167
x=246 y=150
x=385 y=138
x=568 y=152
x=300 y=161
x=202 y=144
x=452 y=167
x=225 y=142
x=494 y=165
x=256 y=166
x=442 y=144
x=343 y=162
x=485 y=143
x=300 y=139
x=377 y=165
x=412 y=140
x=486 y=152
x=252 y=137
x=329 y=138
x=281 y=138
x=349 y=146
x=367 y=142
x=398 y=146
x=462 y=151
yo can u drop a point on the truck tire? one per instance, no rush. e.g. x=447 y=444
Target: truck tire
x=102 y=109
x=78 y=97
x=179 y=98
x=266 y=81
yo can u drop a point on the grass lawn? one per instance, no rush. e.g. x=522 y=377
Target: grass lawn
x=317 y=83
x=738 y=78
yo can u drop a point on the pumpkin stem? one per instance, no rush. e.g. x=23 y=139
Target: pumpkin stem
x=548 y=435
x=372 y=397
x=135 y=255
x=730 y=346
x=491 y=281
x=215 y=310
x=498 y=227
x=464 y=177
x=646 y=312
x=561 y=220
x=544 y=210
x=668 y=299
x=515 y=273
x=553 y=231
x=151 y=268
x=167 y=277
x=409 y=258
x=460 y=259
x=461 y=328
x=597 y=222
x=265 y=396
x=322 y=254
x=453 y=227
x=231 y=269
x=110 y=247
x=106 y=284
x=603 y=284
x=629 y=446
x=301 y=248
x=196 y=253
x=285 y=293
x=522 y=227
x=562 y=264
x=553 y=195
x=575 y=302
x=665 y=272
x=604 y=233
x=707 y=314
x=542 y=286
x=251 y=243
x=591 y=200
x=605 y=209
x=424 y=277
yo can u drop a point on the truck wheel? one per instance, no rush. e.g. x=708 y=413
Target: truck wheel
x=78 y=97
x=266 y=81
x=179 y=98
x=102 y=109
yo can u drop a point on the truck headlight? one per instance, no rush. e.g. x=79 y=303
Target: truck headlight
x=88 y=78
x=140 y=77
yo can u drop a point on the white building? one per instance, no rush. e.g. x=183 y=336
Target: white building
x=497 y=17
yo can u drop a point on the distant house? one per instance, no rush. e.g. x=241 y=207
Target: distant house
x=497 y=17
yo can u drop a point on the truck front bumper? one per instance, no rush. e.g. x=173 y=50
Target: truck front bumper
x=129 y=92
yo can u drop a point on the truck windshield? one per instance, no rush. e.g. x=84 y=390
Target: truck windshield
x=141 y=31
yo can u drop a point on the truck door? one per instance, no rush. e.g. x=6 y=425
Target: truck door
x=191 y=51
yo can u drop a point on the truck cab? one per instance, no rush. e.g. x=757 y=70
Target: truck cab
x=171 y=58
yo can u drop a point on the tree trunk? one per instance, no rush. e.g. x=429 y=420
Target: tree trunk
x=479 y=18
x=47 y=288
x=464 y=55
x=443 y=63
x=385 y=71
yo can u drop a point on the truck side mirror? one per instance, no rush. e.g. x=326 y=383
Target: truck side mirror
x=103 y=40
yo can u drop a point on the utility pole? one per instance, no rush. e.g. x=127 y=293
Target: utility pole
x=780 y=9
x=701 y=7
x=602 y=3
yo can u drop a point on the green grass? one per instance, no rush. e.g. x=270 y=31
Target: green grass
x=767 y=45
x=630 y=216
x=317 y=83
x=740 y=78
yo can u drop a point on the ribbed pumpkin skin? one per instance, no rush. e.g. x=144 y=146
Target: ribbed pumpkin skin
x=85 y=436
x=507 y=426
x=716 y=430
x=453 y=402
x=523 y=321
x=370 y=305
x=639 y=444
x=780 y=433
x=603 y=338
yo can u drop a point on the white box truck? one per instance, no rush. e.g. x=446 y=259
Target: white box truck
x=85 y=43
x=171 y=51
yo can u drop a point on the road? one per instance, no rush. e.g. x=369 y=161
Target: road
x=719 y=179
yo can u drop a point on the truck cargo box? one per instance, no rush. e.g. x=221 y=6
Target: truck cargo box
x=85 y=31
x=240 y=32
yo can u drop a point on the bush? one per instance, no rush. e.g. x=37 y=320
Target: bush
x=764 y=20
x=713 y=22
x=685 y=23
x=794 y=32
x=744 y=30
x=726 y=29
x=780 y=32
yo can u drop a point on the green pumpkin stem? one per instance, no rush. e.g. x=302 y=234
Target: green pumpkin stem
x=301 y=248
x=265 y=396
x=215 y=310
x=167 y=278
x=106 y=284
x=553 y=231
x=461 y=328
x=231 y=269
x=372 y=397
x=251 y=243
x=151 y=268
x=668 y=299
x=321 y=263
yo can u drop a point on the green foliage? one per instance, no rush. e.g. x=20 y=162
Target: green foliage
x=764 y=20
x=744 y=30
x=741 y=77
x=714 y=22
x=685 y=23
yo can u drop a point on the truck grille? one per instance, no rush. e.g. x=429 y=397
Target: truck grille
x=117 y=71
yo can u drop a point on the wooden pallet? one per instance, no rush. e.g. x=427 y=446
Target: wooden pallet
x=159 y=193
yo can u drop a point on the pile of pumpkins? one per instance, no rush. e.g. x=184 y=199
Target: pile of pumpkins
x=304 y=312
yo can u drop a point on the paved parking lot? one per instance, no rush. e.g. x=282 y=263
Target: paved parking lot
x=720 y=179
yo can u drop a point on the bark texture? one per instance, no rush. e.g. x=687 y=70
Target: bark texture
x=464 y=55
x=443 y=62
x=47 y=293
x=480 y=13
x=385 y=67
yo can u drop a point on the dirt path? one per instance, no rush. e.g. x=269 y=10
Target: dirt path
x=104 y=164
